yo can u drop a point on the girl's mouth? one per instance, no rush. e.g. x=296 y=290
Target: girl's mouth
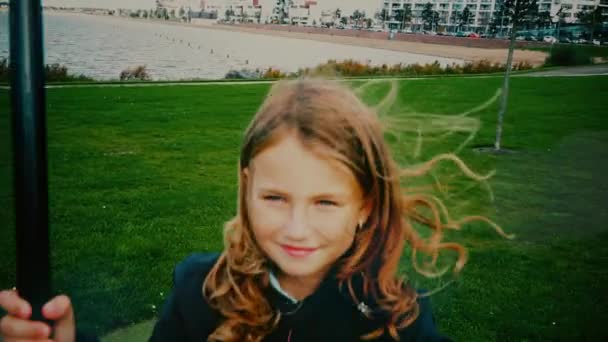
x=298 y=251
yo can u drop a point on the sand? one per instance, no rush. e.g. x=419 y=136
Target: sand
x=449 y=51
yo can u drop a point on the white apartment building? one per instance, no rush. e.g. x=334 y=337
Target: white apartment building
x=249 y=10
x=481 y=10
x=571 y=7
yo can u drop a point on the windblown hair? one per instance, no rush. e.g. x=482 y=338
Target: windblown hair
x=331 y=120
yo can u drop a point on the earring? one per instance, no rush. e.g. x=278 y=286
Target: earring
x=360 y=225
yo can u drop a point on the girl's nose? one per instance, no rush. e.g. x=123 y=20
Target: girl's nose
x=296 y=227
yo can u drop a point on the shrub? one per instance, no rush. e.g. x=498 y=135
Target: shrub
x=52 y=73
x=564 y=55
x=4 y=70
x=273 y=73
x=138 y=73
x=354 y=68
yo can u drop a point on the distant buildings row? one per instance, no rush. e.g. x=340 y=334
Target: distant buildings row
x=386 y=13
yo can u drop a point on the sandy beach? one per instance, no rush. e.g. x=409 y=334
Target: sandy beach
x=499 y=55
x=458 y=52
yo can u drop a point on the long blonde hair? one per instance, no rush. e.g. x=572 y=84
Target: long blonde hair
x=328 y=115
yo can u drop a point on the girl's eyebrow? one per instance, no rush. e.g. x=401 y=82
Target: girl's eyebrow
x=335 y=195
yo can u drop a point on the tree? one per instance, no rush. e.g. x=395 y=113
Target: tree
x=229 y=13
x=464 y=17
x=344 y=20
x=382 y=16
x=404 y=15
x=561 y=19
x=592 y=19
x=429 y=16
x=357 y=17
x=368 y=23
x=181 y=12
x=543 y=20
x=498 y=19
x=518 y=13
x=280 y=10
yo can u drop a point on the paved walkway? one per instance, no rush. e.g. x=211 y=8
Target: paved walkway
x=590 y=70
x=135 y=333
x=587 y=70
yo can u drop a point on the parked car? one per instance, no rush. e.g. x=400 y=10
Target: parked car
x=565 y=40
x=520 y=38
x=549 y=39
x=430 y=33
x=596 y=42
x=462 y=34
x=473 y=35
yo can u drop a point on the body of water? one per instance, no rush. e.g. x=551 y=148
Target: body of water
x=101 y=47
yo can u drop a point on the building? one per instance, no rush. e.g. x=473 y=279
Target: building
x=233 y=10
x=303 y=12
x=482 y=12
x=571 y=7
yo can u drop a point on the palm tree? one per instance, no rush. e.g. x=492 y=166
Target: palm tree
x=404 y=15
x=543 y=20
x=591 y=19
x=427 y=14
x=464 y=17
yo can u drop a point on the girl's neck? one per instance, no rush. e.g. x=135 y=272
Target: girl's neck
x=299 y=287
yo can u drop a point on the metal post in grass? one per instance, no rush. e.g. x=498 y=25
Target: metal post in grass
x=29 y=152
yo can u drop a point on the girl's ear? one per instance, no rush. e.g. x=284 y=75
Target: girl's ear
x=366 y=210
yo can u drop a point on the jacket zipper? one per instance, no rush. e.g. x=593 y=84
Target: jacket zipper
x=289 y=335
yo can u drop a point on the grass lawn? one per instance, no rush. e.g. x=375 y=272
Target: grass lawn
x=141 y=177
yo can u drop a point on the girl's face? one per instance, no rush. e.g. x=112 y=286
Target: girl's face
x=303 y=209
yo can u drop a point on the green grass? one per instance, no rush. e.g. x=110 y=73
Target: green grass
x=141 y=177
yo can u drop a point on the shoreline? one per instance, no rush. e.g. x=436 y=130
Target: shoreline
x=467 y=54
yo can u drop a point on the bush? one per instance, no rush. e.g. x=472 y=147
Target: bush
x=353 y=68
x=138 y=73
x=52 y=73
x=242 y=74
x=564 y=55
x=273 y=73
x=4 y=70
x=59 y=73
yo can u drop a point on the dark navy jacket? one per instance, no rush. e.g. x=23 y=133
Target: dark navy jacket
x=326 y=315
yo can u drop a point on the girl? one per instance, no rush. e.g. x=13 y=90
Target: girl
x=313 y=252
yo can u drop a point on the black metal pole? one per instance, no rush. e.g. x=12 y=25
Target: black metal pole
x=30 y=154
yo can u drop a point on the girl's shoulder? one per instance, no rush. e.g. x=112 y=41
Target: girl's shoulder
x=186 y=315
x=193 y=267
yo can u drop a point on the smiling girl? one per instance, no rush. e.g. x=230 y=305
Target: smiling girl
x=313 y=251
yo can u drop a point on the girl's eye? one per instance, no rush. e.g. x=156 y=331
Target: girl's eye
x=327 y=203
x=273 y=198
